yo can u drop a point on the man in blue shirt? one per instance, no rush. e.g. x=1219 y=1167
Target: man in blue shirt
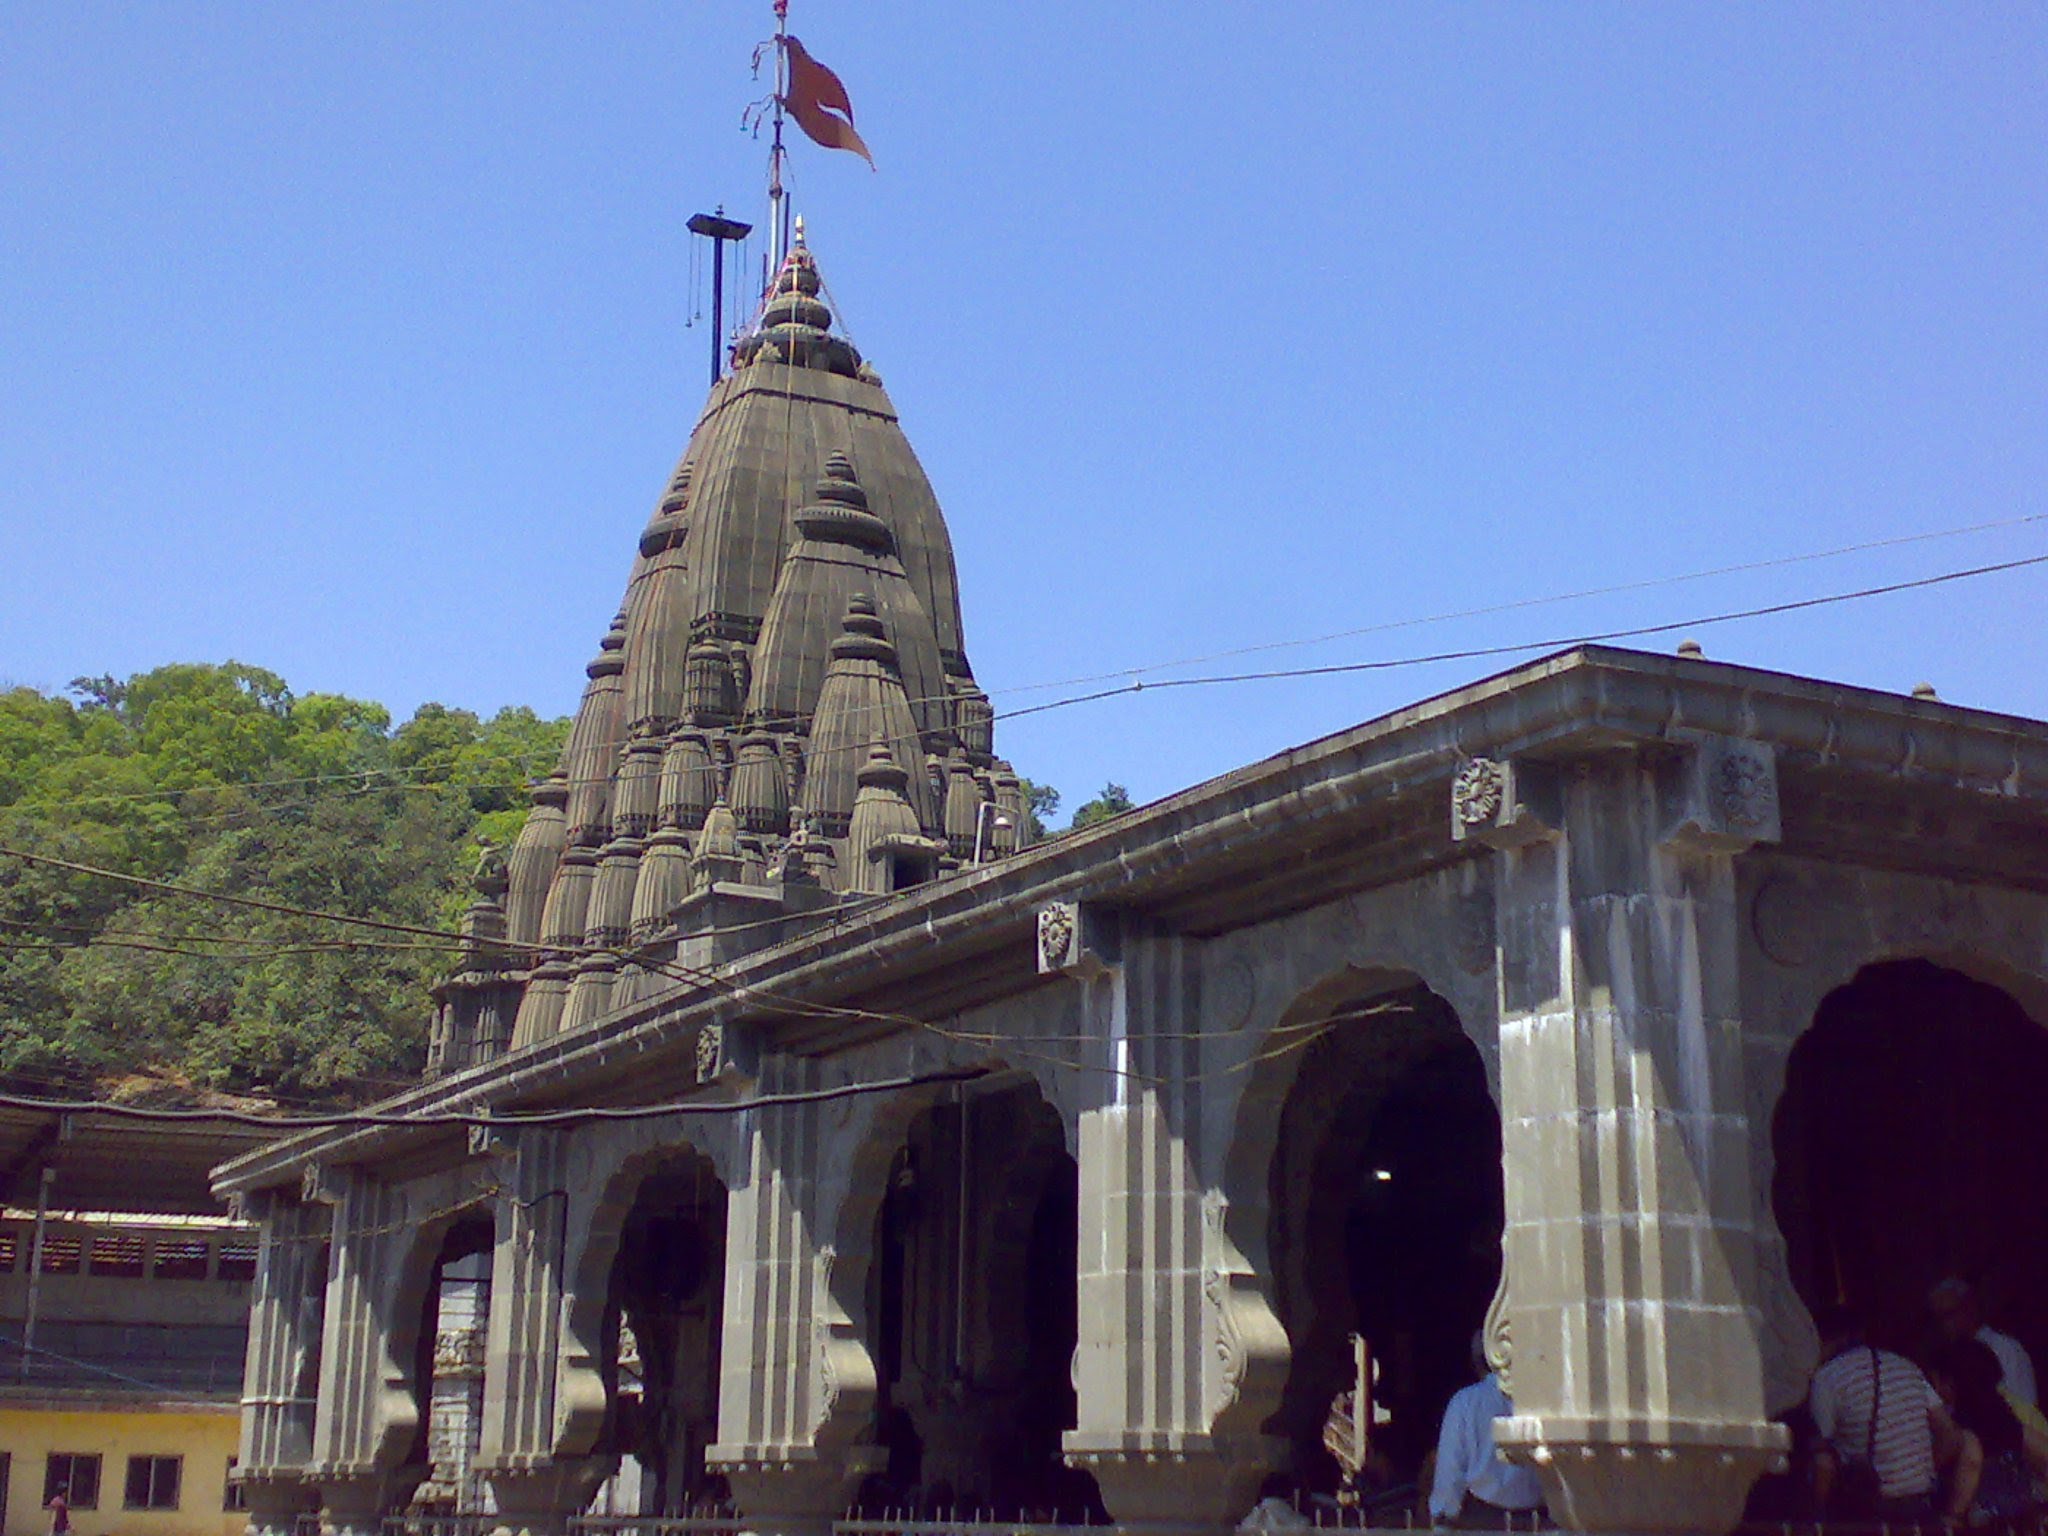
x=1474 y=1489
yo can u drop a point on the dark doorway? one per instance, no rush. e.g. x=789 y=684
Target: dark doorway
x=1386 y=1211
x=664 y=1318
x=972 y=1300
x=1911 y=1143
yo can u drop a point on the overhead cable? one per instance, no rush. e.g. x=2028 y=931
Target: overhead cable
x=1524 y=647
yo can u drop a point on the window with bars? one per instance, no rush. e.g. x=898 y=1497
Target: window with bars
x=235 y=1499
x=74 y=1477
x=237 y=1259
x=180 y=1258
x=117 y=1255
x=9 y=1241
x=153 y=1482
x=63 y=1254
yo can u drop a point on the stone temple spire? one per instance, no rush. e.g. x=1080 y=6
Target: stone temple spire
x=789 y=651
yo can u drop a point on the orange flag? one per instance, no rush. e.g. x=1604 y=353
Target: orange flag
x=819 y=103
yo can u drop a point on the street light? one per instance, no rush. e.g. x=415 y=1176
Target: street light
x=984 y=814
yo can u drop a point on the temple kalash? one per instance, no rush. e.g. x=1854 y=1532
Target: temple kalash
x=804 y=1149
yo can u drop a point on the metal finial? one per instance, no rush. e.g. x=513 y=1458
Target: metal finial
x=799 y=231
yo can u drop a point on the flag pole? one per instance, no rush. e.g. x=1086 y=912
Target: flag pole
x=778 y=220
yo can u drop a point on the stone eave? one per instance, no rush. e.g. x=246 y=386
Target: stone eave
x=1580 y=701
x=41 y=1397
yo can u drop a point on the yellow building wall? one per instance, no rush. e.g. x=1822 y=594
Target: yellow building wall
x=205 y=1438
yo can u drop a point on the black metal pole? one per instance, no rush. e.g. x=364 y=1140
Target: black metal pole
x=717 y=309
x=719 y=230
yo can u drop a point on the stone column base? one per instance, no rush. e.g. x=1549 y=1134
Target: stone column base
x=275 y=1503
x=1673 y=1476
x=539 y=1497
x=799 y=1493
x=355 y=1503
x=1181 y=1480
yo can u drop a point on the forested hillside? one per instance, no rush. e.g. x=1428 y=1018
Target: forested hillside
x=220 y=779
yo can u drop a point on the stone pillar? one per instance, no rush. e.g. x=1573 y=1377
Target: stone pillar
x=796 y=1387
x=281 y=1371
x=1150 y=1363
x=455 y=1412
x=367 y=1413
x=526 y=1414
x=1631 y=1330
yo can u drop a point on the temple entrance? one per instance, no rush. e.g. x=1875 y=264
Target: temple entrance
x=1911 y=1141
x=663 y=1318
x=972 y=1301
x=448 y=1368
x=1386 y=1210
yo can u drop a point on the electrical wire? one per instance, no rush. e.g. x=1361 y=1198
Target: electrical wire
x=1518 y=604
x=363 y=1118
x=806 y=1008
x=753 y=995
x=1562 y=643
x=1552 y=599
x=24 y=1348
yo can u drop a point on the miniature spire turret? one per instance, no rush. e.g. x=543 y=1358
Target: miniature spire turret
x=860 y=703
x=535 y=853
x=885 y=842
x=843 y=548
x=593 y=750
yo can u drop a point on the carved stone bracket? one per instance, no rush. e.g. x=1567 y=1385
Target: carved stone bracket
x=490 y=1141
x=321 y=1184
x=728 y=1054
x=1497 y=1333
x=1722 y=796
x=1075 y=939
x=256 y=1205
x=1505 y=803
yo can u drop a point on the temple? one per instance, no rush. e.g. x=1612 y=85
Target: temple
x=800 y=1140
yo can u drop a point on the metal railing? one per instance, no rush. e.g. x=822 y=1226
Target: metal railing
x=725 y=1521
x=421 y=1524
x=712 y=1520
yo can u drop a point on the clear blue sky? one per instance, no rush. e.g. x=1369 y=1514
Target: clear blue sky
x=349 y=340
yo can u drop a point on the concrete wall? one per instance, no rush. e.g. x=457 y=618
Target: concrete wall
x=204 y=1437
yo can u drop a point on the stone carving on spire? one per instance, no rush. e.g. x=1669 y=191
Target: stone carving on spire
x=790 y=638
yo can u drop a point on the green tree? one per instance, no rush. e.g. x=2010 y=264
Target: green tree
x=1041 y=804
x=221 y=779
x=1113 y=801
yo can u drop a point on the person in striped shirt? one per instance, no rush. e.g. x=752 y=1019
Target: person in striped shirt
x=1912 y=1440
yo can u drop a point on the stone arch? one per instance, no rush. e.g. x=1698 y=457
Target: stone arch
x=892 y=1168
x=1811 y=929
x=876 y=1133
x=1920 y=1072
x=623 y=1164
x=869 y=1131
x=455 y=1223
x=1325 y=1070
